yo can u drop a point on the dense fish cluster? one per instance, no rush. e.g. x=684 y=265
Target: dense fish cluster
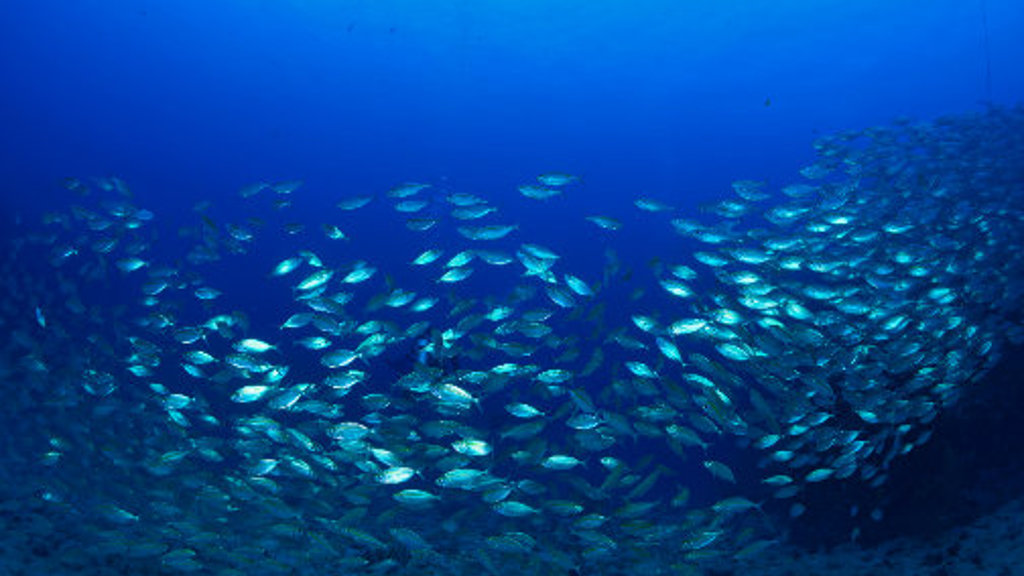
x=475 y=406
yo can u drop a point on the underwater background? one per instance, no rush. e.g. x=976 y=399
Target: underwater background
x=511 y=287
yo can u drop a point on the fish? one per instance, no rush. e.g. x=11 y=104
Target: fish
x=355 y=202
x=488 y=232
x=315 y=280
x=651 y=205
x=539 y=192
x=407 y=189
x=605 y=222
x=339 y=358
x=395 y=475
x=542 y=415
x=557 y=179
x=250 y=393
x=427 y=257
x=253 y=346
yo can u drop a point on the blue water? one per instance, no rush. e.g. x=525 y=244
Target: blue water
x=190 y=101
x=673 y=98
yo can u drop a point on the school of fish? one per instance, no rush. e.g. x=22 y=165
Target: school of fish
x=478 y=406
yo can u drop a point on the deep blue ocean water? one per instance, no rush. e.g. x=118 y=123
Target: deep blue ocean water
x=191 y=101
x=674 y=99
